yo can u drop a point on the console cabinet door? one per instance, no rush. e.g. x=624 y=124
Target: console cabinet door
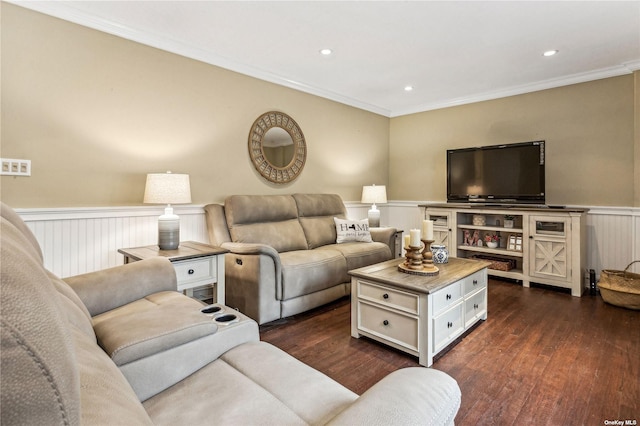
x=549 y=247
x=442 y=226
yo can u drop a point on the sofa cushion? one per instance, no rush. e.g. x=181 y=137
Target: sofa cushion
x=265 y=219
x=358 y=255
x=261 y=385
x=316 y=213
x=308 y=271
x=352 y=230
x=150 y=325
x=309 y=393
x=220 y=395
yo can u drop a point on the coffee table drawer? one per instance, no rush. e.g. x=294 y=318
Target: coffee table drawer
x=475 y=282
x=389 y=325
x=447 y=327
x=446 y=297
x=396 y=299
x=475 y=307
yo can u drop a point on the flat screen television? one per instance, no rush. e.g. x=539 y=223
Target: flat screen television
x=500 y=174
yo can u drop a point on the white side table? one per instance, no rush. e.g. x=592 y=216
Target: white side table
x=196 y=265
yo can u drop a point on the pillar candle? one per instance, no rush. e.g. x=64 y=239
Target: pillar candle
x=427 y=229
x=406 y=240
x=415 y=238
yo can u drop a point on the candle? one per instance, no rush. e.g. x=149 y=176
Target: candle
x=406 y=240
x=415 y=238
x=427 y=229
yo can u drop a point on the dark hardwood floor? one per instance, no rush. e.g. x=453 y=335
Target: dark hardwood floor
x=542 y=357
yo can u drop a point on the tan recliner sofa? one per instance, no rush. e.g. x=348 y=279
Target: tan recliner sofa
x=283 y=257
x=123 y=347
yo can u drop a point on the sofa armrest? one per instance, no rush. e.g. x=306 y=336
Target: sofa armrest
x=250 y=248
x=110 y=288
x=253 y=280
x=409 y=396
x=385 y=235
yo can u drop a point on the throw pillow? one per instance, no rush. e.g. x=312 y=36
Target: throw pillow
x=352 y=230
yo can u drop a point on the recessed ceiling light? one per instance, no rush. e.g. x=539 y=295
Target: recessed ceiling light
x=408 y=88
x=550 y=52
x=326 y=52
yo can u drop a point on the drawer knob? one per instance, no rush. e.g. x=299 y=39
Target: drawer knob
x=448 y=297
x=475 y=282
x=385 y=296
x=475 y=306
x=238 y=261
x=385 y=322
x=449 y=324
x=190 y=271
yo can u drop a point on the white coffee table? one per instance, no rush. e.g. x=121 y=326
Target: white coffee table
x=420 y=315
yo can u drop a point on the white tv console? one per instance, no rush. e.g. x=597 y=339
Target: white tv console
x=545 y=245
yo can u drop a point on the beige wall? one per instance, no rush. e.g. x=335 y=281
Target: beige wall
x=95 y=113
x=588 y=128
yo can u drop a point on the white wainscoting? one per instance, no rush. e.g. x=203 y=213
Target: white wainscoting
x=79 y=240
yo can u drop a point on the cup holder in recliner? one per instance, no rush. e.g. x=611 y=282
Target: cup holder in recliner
x=211 y=310
x=226 y=319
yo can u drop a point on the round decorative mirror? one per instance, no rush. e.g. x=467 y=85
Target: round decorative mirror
x=277 y=147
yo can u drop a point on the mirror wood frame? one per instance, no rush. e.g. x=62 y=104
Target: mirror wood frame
x=267 y=170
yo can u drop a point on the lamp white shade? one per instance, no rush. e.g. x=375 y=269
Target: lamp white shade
x=168 y=188
x=374 y=194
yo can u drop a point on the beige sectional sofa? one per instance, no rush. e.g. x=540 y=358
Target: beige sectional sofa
x=284 y=258
x=123 y=347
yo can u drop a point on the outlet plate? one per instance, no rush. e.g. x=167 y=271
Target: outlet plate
x=14 y=167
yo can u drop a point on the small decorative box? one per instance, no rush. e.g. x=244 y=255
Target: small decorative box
x=479 y=220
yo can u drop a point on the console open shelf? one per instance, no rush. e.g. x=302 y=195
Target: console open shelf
x=543 y=245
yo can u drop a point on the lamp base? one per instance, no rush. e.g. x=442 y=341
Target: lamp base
x=168 y=230
x=374 y=218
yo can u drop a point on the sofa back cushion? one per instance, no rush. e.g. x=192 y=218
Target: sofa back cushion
x=12 y=217
x=40 y=382
x=316 y=213
x=265 y=219
x=217 y=227
x=71 y=305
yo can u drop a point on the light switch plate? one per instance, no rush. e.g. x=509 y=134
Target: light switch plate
x=14 y=167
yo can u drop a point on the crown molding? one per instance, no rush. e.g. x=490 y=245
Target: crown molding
x=65 y=11
x=626 y=68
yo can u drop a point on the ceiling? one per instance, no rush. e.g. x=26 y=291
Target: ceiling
x=450 y=52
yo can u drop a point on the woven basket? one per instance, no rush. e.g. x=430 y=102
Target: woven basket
x=620 y=288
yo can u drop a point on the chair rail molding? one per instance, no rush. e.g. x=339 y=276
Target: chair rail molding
x=77 y=240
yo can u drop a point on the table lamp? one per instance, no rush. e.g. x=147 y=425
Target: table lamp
x=168 y=188
x=374 y=194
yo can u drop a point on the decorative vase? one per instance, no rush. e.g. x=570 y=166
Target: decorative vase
x=440 y=253
x=492 y=244
x=508 y=223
